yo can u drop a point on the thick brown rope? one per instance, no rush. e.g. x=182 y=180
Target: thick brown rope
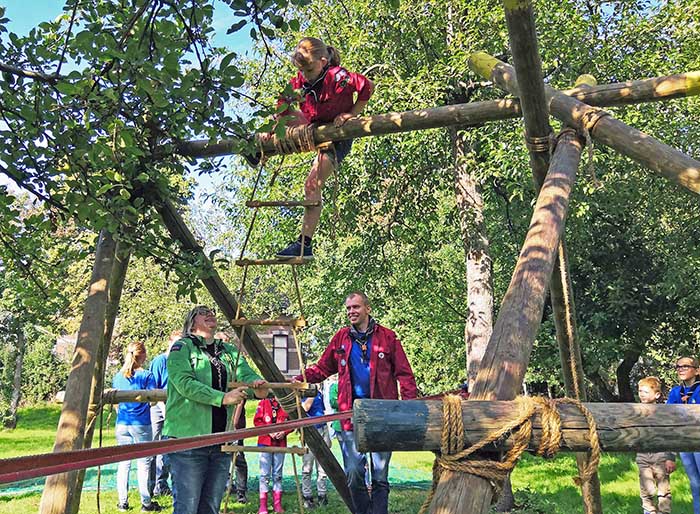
x=296 y=139
x=452 y=458
x=544 y=144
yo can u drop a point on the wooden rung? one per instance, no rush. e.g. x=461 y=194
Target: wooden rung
x=233 y=448
x=294 y=322
x=300 y=386
x=272 y=262
x=283 y=203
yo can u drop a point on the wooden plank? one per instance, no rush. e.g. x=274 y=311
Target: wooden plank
x=234 y=448
x=392 y=425
x=635 y=144
x=250 y=339
x=465 y=115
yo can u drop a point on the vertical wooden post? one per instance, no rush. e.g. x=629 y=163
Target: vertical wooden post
x=528 y=67
x=120 y=264
x=508 y=352
x=252 y=343
x=59 y=490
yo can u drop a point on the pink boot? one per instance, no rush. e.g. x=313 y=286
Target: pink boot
x=277 y=501
x=263 y=504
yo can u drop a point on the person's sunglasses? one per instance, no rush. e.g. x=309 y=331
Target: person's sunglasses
x=684 y=367
x=206 y=312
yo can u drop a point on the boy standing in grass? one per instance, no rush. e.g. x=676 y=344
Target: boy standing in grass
x=654 y=468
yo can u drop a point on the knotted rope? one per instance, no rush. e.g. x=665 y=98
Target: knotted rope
x=296 y=139
x=454 y=457
x=588 y=122
x=541 y=144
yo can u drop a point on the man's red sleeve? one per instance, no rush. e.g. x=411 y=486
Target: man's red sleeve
x=326 y=366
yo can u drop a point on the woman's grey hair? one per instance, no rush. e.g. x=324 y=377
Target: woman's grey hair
x=189 y=319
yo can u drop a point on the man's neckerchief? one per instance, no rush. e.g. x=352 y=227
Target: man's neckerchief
x=308 y=88
x=275 y=407
x=363 y=338
x=688 y=391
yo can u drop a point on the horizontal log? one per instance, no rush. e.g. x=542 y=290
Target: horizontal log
x=471 y=114
x=416 y=425
x=297 y=386
x=635 y=144
x=114 y=396
x=111 y=396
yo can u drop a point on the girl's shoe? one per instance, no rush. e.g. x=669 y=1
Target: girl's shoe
x=277 y=501
x=263 y=504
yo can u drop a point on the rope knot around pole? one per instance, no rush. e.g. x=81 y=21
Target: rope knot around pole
x=296 y=139
x=542 y=144
x=454 y=457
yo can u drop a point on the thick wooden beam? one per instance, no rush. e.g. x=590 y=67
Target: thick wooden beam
x=646 y=150
x=58 y=495
x=464 y=115
x=508 y=352
x=252 y=343
x=392 y=425
x=522 y=33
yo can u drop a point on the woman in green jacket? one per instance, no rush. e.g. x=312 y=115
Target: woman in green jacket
x=199 y=368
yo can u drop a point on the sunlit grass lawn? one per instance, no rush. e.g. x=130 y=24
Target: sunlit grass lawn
x=541 y=486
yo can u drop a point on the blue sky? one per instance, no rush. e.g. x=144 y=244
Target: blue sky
x=25 y=14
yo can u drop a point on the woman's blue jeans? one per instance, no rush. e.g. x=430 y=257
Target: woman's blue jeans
x=355 y=468
x=130 y=434
x=199 y=479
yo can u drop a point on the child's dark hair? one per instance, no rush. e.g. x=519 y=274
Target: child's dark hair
x=312 y=48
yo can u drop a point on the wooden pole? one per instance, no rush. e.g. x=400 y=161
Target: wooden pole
x=646 y=150
x=58 y=493
x=463 y=115
x=508 y=352
x=392 y=425
x=252 y=343
x=520 y=18
x=120 y=263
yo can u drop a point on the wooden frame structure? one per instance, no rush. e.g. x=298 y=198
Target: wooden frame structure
x=541 y=266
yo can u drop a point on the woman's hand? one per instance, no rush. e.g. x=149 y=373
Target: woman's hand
x=259 y=388
x=234 y=396
x=340 y=120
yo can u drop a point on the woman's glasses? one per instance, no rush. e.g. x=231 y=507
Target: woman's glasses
x=684 y=367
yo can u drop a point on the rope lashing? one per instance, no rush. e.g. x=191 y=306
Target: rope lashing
x=543 y=144
x=588 y=122
x=454 y=457
x=296 y=139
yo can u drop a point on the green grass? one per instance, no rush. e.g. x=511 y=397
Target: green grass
x=541 y=486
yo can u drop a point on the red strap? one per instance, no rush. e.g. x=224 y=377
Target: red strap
x=22 y=468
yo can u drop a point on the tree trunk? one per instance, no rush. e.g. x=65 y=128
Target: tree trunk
x=116 y=283
x=623 y=371
x=10 y=420
x=470 y=205
x=60 y=489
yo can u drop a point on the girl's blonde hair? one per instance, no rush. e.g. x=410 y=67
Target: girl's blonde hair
x=312 y=49
x=135 y=355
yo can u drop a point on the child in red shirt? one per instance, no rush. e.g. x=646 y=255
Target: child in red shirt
x=269 y=412
x=327 y=95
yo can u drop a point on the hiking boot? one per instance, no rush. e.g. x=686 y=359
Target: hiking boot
x=322 y=499
x=151 y=507
x=309 y=502
x=241 y=497
x=123 y=507
x=294 y=250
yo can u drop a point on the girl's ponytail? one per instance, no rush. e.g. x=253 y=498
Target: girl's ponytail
x=135 y=355
x=333 y=56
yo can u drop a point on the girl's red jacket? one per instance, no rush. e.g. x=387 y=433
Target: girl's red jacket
x=269 y=412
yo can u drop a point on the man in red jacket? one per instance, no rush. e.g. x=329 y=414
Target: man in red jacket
x=369 y=360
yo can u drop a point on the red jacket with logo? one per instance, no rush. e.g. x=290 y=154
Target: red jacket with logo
x=269 y=412
x=334 y=96
x=387 y=366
